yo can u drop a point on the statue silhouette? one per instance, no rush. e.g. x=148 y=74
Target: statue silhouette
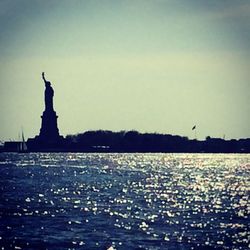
x=48 y=94
x=49 y=138
x=49 y=130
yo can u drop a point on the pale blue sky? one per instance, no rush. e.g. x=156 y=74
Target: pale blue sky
x=150 y=65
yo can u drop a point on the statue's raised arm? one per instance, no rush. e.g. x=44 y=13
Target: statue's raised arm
x=44 y=77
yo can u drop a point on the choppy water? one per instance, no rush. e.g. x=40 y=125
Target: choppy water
x=127 y=201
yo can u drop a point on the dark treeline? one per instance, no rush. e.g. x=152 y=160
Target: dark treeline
x=133 y=141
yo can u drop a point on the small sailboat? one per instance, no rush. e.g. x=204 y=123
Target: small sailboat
x=22 y=146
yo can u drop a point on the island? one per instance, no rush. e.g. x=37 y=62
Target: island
x=50 y=140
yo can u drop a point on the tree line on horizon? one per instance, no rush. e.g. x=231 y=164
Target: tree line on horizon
x=133 y=141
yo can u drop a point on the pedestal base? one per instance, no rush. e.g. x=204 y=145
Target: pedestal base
x=38 y=144
x=49 y=139
x=49 y=130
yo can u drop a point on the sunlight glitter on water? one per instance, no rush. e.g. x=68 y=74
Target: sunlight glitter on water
x=152 y=201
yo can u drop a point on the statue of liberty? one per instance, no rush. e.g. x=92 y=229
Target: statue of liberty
x=48 y=95
x=49 y=138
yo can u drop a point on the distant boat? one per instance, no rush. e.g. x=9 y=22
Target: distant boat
x=22 y=146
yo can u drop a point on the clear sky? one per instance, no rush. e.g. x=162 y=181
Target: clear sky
x=149 y=65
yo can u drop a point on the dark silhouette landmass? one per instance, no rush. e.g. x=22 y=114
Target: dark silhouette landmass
x=49 y=139
x=133 y=141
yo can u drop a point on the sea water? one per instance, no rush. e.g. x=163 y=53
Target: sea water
x=124 y=201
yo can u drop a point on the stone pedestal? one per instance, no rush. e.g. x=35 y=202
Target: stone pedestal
x=49 y=130
x=49 y=139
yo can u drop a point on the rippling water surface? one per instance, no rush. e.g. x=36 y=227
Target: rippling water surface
x=124 y=201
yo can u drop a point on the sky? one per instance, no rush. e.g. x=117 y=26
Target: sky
x=148 y=65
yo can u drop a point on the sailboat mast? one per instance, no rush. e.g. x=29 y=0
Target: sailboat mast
x=23 y=143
